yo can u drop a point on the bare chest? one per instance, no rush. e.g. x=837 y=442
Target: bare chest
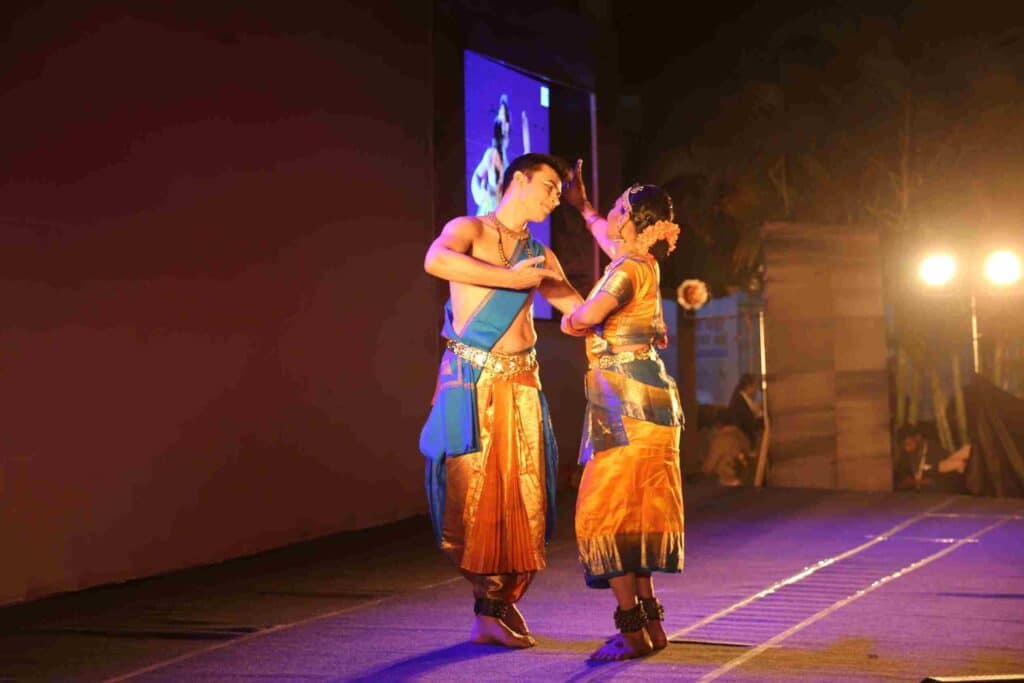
x=468 y=299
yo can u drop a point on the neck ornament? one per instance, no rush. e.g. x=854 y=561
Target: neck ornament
x=505 y=231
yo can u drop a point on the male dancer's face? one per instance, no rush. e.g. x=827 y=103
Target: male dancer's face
x=540 y=193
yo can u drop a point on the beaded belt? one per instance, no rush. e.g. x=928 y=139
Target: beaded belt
x=503 y=364
x=606 y=360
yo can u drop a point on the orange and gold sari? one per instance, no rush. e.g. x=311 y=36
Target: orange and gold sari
x=629 y=510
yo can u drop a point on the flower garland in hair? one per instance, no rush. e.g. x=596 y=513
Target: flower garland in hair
x=662 y=230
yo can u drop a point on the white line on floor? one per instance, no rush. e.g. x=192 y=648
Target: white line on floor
x=976 y=515
x=265 y=632
x=811 y=570
x=775 y=640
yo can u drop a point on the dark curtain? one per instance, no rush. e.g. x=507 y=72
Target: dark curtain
x=996 y=425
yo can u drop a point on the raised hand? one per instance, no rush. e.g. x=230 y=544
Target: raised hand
x=526 y=274
x=574 y=193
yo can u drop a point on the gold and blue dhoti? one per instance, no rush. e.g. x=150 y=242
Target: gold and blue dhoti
x=491 y=453
x=496 y=498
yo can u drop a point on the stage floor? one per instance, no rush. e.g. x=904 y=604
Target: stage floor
x=780 y=585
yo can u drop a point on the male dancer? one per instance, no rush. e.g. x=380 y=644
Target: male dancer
x=491 y=454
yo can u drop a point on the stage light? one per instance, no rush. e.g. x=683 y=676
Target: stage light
x=1002 y=268
x=937 y=269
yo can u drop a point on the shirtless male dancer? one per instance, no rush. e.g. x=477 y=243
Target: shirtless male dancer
x=491 y=454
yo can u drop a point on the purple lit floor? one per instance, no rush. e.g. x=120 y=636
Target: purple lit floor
x=780 y=585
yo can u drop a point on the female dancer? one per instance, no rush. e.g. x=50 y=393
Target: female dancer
x=629 y=511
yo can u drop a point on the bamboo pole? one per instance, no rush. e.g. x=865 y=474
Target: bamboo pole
x=939 y=407
x=901 y=386
x=961 y=409
x=905 y=161
x=998 y=363
x=974 y=334
x=915 y=392
x=762 y=452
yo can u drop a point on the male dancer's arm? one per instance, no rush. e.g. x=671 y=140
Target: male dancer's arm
x=448 y=258
x=559 y=293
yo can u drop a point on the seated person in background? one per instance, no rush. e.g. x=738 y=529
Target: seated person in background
x=744 y=412
x=728 y=452
x=922 y=464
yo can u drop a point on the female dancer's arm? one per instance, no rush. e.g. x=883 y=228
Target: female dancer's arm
x=593 y=312
x=575 y=195
x=616 y=290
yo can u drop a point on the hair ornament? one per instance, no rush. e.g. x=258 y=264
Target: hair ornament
x=662 y=230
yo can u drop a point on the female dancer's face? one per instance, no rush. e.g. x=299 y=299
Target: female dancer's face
x=620 y=226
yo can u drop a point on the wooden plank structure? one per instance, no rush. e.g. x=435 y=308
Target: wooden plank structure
x=826 y=357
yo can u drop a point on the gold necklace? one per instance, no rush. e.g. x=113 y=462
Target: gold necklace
x=519 y=236
x=514 y=234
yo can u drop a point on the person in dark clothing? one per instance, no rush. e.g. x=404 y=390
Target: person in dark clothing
x=744 y=412
x=922 y=464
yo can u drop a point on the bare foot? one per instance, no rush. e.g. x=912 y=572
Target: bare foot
x=658 y=638
x=515 y=621
x=654 y=630
x=491 y=631
x=624 y=646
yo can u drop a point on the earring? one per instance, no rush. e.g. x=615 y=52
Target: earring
x=618 y=229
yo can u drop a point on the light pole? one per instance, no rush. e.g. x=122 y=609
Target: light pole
x=1002 y=269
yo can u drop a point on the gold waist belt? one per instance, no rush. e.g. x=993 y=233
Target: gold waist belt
x=502 y=364
x=606 y=360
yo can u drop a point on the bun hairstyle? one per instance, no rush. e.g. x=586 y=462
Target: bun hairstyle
x=648 y=206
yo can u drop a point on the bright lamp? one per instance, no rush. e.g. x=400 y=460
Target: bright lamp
x=937 y=269
x=1002 y=268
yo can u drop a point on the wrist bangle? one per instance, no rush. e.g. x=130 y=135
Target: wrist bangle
x=572 y=325
x=592 y=218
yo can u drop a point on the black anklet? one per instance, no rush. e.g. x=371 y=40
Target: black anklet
x=488 y=607
x=655 y=610
x=630 y=620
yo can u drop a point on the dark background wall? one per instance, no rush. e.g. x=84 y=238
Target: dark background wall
x=217 y=336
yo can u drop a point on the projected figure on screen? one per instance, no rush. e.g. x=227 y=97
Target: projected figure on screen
x=490 y=172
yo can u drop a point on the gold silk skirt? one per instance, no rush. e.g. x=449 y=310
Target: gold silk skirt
x=494 y=514
x=629 y=509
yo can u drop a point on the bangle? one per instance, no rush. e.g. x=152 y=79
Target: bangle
x=592 y=218
x=572 y=325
